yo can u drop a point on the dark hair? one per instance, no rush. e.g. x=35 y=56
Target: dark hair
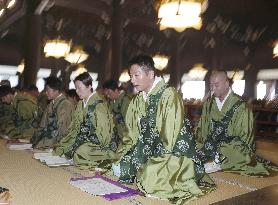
x=85 y=78
x=111 y=84
x=144 y=61
x=33 y=87
x=5 y=90
x=71 y=93
x=53 y=82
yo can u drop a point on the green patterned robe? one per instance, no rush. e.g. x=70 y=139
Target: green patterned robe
x=54 y=124
x=119 y=109
x=90 y=147
x=25 y=111
x=236 y=146
x=6 y=113
x=160 y=150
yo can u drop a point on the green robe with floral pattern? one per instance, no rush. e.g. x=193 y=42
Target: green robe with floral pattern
x=54 y=124
x=159 y=152
x=92 y=146
x=25 y=111
x=229 y=133
x=6 y=113
x=119 y=109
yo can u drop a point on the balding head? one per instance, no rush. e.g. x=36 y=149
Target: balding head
x=219 y=84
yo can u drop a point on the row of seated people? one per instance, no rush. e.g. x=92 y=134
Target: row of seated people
x=145 y=140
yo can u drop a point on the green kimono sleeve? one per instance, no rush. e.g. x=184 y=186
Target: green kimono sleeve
x=64 y=114
x=26 y=113
x=74 y=128
x=242 y=124
x=103 y=122
x=135 y=109
x=169 y=119
x=125 y=104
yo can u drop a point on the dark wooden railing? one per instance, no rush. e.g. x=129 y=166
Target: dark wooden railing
x=266 y=119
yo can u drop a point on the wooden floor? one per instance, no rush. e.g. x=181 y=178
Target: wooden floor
x=32 y=183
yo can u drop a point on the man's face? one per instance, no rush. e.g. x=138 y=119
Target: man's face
x=219 y=85
x=51 y=93
x=7 y=98
x=142 y=80
x=111 y=94
x=82 y=91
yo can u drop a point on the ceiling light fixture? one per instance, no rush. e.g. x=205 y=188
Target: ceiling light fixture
x=160 y=61
x=2 y=12
x=57 y=48
x=181 y=14
x=198 y=72
x=124 y=77
x=81 y=69
x=11 y=4
x=77 y=56
x=275 y=49
x=20 y=67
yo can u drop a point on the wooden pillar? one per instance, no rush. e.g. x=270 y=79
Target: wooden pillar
x=32 y=45
x=105 y=73
x=116 y=66
x=175 y=67
x=250 y=76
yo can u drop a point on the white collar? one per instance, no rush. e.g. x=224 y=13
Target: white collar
x=53 y=101
x=219 y=103
x=157 y=79
x=86 y=102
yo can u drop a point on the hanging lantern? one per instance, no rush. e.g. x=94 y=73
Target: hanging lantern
x=124 y=77
x=198 y=72
x=77 y=56
x=181 y=14
x=20 y=67
x=81 y=69
x=160 y=61
x=57 y=48
x=275 y=49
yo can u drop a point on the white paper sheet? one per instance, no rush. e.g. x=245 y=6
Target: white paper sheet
x=52 y=161
x=20 y=146
x=97 y=186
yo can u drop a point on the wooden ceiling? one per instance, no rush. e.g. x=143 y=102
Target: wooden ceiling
x=234 y=33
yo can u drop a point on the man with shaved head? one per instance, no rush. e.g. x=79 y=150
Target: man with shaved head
x=225 y=131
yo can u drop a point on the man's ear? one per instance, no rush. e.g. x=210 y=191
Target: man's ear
x=151 y=74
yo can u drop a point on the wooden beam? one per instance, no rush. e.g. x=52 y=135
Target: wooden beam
x=89 y=6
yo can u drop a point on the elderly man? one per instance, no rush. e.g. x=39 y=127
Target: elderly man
x=225 y=131
x=25 y=112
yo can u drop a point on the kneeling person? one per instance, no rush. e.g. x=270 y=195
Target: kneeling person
x=91 y=141
x=159 y=151
x=56 y=118
x=225 y=131
x=24 y=113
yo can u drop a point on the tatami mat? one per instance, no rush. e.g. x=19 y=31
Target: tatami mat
x=32 y=183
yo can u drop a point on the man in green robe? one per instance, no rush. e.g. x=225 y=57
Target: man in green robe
x=119 y=102
x=25 y=111
x=6 y=112
x=159 y=152
x=225 y=131
x=91 y=140
x=56 y=118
